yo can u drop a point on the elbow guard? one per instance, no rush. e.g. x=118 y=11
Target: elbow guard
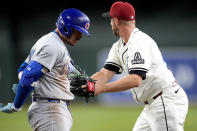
x=31 y=73
x=22 y=67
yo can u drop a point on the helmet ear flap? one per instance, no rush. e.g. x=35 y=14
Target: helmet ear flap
x=67 y=29
x=63 y=27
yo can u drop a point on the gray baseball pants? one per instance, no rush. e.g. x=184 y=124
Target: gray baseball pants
x=44 y=115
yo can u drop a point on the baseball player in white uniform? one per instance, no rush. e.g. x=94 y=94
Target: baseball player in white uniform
x=146 y=74
x=45 y=72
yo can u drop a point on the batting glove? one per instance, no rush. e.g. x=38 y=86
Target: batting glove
x=10 y=108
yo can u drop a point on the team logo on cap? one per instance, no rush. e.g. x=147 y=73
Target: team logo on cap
x=137 y=59
x=87 y=25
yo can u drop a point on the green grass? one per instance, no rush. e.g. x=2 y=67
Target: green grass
x=93 y=118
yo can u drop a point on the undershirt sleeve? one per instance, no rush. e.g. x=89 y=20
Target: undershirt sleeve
x=140 y=73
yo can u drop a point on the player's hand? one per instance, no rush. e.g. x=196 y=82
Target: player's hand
x=9 y=108
x=99 y=88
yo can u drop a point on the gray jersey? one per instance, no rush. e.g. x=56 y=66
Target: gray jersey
x=51 y=52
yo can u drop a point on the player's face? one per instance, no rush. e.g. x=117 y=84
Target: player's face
x=74 y=38
x=114 y=27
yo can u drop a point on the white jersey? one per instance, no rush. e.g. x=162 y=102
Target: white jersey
x=51 y=52
x=141 y=53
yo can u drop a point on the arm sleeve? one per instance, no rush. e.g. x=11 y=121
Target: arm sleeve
x=31 y=73
x=46 y=56
x=112 y=63
x=22 y=94
x=139 y=57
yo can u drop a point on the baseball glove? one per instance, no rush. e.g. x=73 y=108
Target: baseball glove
x=77 y=80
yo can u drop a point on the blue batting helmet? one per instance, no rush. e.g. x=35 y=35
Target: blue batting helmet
x=73 y=18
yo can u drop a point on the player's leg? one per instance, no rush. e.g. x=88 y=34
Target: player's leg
x=161 y=114
x=166 y=113
x=49 y=116
x=142 y=123
x=176 y=101
x=181 y=105
x=61 y=117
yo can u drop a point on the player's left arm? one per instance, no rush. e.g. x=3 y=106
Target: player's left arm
x=31 y=73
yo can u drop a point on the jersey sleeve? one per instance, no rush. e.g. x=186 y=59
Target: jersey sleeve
x=46 y=55
x=27 y=60
x=139 y=57
x=112 y=63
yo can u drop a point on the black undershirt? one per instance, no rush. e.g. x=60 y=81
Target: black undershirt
x=116 y=69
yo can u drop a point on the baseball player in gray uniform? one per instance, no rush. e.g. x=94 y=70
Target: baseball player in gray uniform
x=146 y=74
x=45 y=72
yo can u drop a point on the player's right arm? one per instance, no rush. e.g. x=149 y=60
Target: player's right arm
x=31 y=73
x=42 y=61
x=112 y=66
x=39 y=64
x=103 y=75
x=21 y=68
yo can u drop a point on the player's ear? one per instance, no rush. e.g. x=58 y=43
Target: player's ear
x=116 y=21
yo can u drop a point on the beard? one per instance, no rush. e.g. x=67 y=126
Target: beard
x=116 y=32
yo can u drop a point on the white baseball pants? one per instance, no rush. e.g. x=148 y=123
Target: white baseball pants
x=166 y=113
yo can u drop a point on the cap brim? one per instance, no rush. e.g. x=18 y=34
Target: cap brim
x=106 y=14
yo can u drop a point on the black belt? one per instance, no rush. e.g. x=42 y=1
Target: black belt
x=34 y=99
x=160 y=93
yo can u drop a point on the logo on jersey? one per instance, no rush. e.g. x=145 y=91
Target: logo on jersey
x=137 y=59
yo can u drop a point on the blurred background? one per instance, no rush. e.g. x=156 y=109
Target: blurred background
x=172 y=24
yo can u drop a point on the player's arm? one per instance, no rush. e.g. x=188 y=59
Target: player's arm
x=111 y=67
x=103 y=75
x=133 y=80
x=137 y=72
x=21 y=68
x=20 y=72
x=72 y=68
x=125 y=83
x=31 y=73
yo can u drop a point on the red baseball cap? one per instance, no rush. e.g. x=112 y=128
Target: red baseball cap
x=121 y=10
